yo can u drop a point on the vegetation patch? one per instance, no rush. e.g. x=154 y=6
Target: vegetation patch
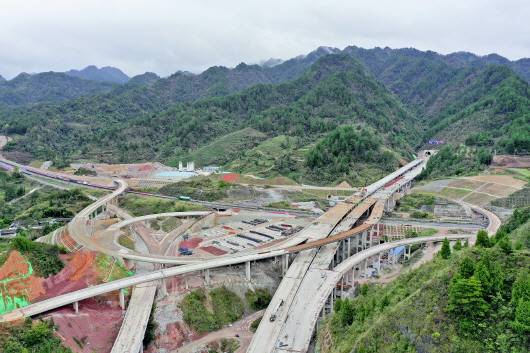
x=224 y=345
x=126 y=241
x=258 y=299
x=85 y=171
x=336 y=156
x=43 y=257
x=415 y=201
x=36 y=337
x=466 y=300
x=110 y=269
x=281 y=204
x=209 y=311
x=144 y=205
x=199 y=188
x=456 y=161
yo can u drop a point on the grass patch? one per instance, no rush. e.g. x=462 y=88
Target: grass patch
x=126 y=241
x=415 y=201
x=209 y=311
x=412 y=233
x=144 y=205
x=454 y=193
x=281 y=204
x=421 y=215
x=109 y=269
x=225 y=148
x=199 y=188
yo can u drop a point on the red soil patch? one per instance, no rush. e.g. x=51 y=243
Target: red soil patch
x=17 y=267
x=176 y=334
x=190 y=243
x=79 y=272
x=213 y=250
x=95 y=327
x=230 y=177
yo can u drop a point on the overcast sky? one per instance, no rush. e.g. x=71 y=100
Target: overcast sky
x=169 y=35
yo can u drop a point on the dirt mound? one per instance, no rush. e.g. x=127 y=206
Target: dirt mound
x=344 y=184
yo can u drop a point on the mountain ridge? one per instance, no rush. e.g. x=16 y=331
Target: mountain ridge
x=104 y=74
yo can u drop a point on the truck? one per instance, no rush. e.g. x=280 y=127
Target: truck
x=184 y=198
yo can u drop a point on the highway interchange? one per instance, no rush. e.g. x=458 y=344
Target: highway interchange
x=320 y=262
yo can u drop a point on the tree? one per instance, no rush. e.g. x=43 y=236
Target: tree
x=458 y=245
x=490 y=275
x=521 y=287
x=506 y=245
x=483 y=239
x=467 y=267
x=345 y=312
x=446 y=249
x=466 y=302
x=522 y=316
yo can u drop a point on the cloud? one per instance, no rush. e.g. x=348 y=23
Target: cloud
x=168 y=35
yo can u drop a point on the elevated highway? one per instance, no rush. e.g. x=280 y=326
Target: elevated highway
x=297 y=330
x=309 y=267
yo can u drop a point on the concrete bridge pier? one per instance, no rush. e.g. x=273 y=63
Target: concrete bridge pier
x=76 y=307
x=247 y=271
x=122 y=299
x=285 y=264
x=207 y=277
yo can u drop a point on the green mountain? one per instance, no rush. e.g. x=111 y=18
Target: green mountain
x=400 y=98
x=335 y=91
x=146 y=78
x=457 y=100
x=28 y=89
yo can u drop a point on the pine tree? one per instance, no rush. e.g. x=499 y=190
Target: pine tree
x=446 y=249
x=458 y=245
x=483 y=239
x=466 y=302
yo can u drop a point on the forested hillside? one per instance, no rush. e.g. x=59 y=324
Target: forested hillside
x=336 y=90
x=399 y=98
x=475 y=300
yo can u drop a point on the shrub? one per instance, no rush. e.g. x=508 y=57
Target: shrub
x=258 y=299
